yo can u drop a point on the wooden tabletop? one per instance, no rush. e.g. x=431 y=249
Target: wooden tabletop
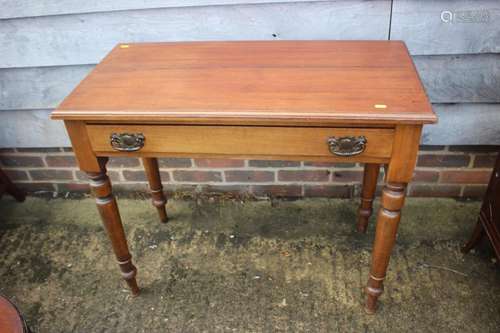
x=258 y=82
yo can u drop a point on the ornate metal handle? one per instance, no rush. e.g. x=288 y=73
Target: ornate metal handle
x=127 y=141
x=347 y=145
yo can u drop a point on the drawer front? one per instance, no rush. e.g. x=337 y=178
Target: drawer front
x=371 y=144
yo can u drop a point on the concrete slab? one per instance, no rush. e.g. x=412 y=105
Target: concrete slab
x=228 y=266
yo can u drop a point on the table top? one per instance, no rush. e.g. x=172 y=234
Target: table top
x=253 y=82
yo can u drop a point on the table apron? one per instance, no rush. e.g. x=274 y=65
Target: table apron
x=254 y=142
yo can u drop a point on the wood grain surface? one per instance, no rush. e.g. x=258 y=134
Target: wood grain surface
x=264 y=142
x=304 y=82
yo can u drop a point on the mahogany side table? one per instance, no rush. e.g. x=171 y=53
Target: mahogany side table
x=488 y=222
x=336 y=101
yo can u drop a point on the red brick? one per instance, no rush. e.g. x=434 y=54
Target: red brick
x=476 y=148
x=425 y=190
x=197 y=176
x=140 y=175
x=249 y=176
x=431 y=148
x=425 y=176
x=347 y=176
x=484 y=161
x=51 y=174
x=120 y=162
x=232 y=189
x=304 y=175
x=134 y=175
x=182 y=190
x=330 y=164
x=39 y=150
x=474 y=191
x=16 y=174
x=428 y=160
x=219 y=163
x=126 y=188
x=73 y=187
x=465 y=177
x=21 y=161
x=328 y=191
x=174 y=162
x=37 y=187
x=273 y=164
x=60 y=161
x=279 y=191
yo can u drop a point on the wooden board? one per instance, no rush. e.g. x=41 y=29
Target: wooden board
x=33 y=8
x=31 y=128
x=447 y=27
x=464 y=124
x=86 y=38
x=459 y=124
x=447 y=79
x=312 y=83
x=461 y=78
x=38 y=88
x=299 y=143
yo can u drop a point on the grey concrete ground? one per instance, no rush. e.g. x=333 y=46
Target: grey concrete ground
x=228 y=266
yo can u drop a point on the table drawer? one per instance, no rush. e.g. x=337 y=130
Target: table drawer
x=370 y=144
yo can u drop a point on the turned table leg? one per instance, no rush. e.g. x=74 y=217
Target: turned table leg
x=108 y=209
x=370 y=177
x=158 y=197
x=393 y=196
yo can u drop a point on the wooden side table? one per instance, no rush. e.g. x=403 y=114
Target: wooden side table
x=488 y=222
x=336 y=101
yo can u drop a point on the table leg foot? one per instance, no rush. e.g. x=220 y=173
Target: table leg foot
x=477 y=235
x=388 y=218
x=370 y=176
x=110 y=216
x=128 y=273
x=154 y=178
x=373 y=292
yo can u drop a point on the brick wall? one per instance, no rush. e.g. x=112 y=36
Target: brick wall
x=455 y=171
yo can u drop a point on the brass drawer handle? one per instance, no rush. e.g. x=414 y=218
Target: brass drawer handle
x=127 y=141
x=347 y=145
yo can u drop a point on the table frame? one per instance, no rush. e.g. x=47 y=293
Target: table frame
x=399 y=172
